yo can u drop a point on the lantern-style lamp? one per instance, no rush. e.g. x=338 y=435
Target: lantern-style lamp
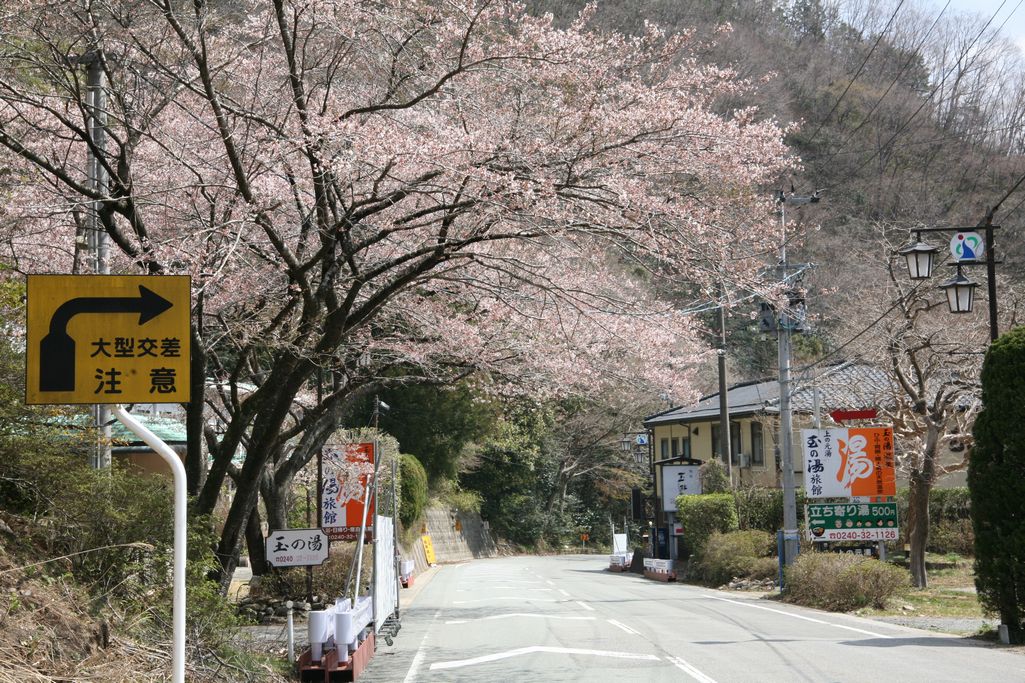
x=919 y=257
x=960 y=293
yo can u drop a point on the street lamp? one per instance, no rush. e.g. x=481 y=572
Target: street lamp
x=919 y=257
x=967 y=247
x=960 y=293
x=635 y=443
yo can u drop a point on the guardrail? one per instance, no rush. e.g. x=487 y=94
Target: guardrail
x=659 y=570
x=406 y=568
x=340 y=640
x=620 y=562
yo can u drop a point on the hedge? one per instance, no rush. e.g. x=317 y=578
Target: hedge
x=702 y=515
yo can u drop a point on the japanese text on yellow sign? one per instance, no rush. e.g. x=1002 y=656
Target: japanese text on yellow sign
x=107 y=339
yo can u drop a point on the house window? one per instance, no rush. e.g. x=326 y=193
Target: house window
x=734 y=442
x=676 y=447
x=664 y=444
x=757 y=452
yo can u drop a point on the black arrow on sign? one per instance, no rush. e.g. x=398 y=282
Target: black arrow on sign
x=57 y=349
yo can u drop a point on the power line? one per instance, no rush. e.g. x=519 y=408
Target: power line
x=934 y=90
x=836 y=104
x=896 y=79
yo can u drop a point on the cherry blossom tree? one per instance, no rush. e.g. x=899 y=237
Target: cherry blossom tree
x=442 y=187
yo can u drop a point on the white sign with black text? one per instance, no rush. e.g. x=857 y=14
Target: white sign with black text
x=679 y=480
x=296 y=547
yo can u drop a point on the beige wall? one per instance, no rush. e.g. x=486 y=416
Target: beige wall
x=148 y=462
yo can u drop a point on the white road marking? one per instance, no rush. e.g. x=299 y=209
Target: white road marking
x=801 y=616
x=584 y=605
x=459 y=663
x=623 y=626
x=519 y=597
x=562 y=591
x=690 y=670
x=421 y=652
x=521 y=614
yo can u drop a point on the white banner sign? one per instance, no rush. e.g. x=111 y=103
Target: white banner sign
x=296 y=547
x=679 y=480
x=385 y=595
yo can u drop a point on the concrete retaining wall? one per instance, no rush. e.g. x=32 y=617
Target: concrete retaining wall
x=456 y=537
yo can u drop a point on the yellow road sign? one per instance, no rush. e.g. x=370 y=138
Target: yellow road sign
x=108 y=339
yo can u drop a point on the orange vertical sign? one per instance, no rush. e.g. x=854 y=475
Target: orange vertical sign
x=343 y=493
x=849 y=463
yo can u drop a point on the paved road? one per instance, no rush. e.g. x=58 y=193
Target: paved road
x=567 y=619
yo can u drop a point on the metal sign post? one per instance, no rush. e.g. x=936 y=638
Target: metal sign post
x=180 y=534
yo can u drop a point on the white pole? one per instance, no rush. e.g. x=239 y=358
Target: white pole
x=359 y=549
x=291 y=633
x=180 y=538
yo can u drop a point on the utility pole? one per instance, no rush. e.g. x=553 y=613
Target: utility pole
x=725 y=444
x=791 y=538
x=96 y=236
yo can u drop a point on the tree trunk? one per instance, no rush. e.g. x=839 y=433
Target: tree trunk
x=918 y=526
x=275 y=500
x=256 y=544
x=195 y=470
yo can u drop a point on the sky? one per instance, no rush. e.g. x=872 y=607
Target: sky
x=1013 y=29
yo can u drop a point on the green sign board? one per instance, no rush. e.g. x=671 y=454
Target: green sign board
x=852 y=521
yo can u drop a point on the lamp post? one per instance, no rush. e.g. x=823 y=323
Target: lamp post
x=966 y=248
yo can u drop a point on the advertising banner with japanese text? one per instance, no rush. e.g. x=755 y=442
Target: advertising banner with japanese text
x=849 y=463
x=347 y=470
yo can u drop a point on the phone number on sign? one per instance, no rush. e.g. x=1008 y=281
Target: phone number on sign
x=865 y=535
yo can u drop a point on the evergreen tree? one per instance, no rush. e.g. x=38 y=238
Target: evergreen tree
x=996 y=479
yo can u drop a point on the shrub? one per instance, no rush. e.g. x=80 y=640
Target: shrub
x=737 y=554
x=702 y=515
x=841 y=583
x=952 y=536
x=414 y=491
x=947 y=509
x=997 y=484
x=714 y=478
x=759 y=508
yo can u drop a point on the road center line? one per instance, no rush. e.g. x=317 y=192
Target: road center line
x=800 y=616
x=623 y=626
x=521 y=614
x=690 y=670
x=584 y=605
x=459 y=663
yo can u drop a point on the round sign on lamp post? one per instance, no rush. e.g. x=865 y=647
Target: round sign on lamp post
x=967 y=245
